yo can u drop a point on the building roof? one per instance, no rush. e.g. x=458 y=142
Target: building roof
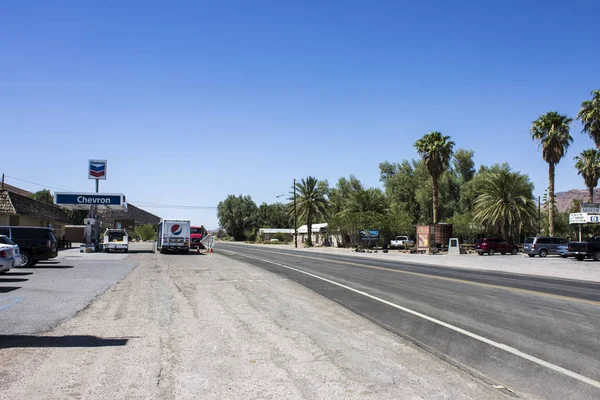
x=141 y=217
x=316 y=228
x=17 y=190
x=17 y=204
x=276 y=230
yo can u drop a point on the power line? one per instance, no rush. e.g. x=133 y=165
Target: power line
x=34 y=183
x=140 y=203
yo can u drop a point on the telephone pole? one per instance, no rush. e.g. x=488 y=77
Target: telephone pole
x=295 y=218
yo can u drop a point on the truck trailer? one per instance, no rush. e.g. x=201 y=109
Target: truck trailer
x=173 y=236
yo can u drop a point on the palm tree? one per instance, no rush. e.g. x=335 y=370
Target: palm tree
x=311 y=202
x=436 y=151
x=367 y=200
x=589 y=115
x=551 y=131
x=505 y=202
x=588 y=166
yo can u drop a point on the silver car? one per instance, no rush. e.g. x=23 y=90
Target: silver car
x=16 y=252
x=544 y=245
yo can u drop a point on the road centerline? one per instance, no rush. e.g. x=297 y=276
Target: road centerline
x=444 y=278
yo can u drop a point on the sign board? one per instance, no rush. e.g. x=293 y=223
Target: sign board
x=369 y=235
x=590 y=208
x=583 y=218
x=83 y=201
x=425 y=237
x=578 y=218
x=97 y=169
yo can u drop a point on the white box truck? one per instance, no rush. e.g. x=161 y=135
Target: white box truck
x=173 y=236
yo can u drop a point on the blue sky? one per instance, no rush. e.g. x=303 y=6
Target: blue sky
x=192 y=101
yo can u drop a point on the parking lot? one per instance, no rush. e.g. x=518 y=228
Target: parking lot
x=38 y=298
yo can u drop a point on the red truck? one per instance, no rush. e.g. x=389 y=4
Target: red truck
x=196 y=235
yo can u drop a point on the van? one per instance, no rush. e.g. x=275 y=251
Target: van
x=544 y=245
x=35 y=243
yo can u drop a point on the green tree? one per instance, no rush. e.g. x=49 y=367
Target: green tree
x=366 y=200
x=588 y=166
x=273 y=216
x=311 y=202
x=44 y=196
x=436 y=151
x=145 y=232
x=464 y=165
x=237 y=215
x=551 y=132
x=505 y=203
x=589 y=115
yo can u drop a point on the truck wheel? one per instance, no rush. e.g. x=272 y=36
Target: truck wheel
x=543 y=253
x=596 y=256
x=531 y=255
x=491 y=252
x=579 y=258
x=514 y=252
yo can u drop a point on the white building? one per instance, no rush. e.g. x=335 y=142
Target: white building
x=319 y=235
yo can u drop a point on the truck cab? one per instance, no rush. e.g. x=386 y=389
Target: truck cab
x=197 y=233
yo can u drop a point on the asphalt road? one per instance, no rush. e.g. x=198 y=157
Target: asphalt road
x=537 y=336
x=38 y=298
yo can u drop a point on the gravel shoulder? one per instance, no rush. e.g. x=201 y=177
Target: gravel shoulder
x=551 y=266
x=206 y=326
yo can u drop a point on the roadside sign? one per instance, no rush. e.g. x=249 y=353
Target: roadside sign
x=590 y=208
x=369 y=235
x=97 y=169
x=578 y=218
x=594 y=218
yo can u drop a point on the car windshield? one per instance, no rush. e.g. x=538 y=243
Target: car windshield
x=196 y=231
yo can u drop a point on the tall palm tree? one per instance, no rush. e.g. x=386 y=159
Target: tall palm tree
x=436 y=151
x=312 y=202
x=588 y=166
x=505 y=202
x=551 y=131
x=589 y=115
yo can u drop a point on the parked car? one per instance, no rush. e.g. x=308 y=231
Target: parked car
x=7 y=260
x=16 y=253
x=35 y=243
x=401 y=242
x=544 y=246
x=583 y=250
x=492 y=246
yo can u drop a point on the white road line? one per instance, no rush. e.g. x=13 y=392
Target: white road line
x=501 y=346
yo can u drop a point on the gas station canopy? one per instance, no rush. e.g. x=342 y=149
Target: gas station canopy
x=83 y=201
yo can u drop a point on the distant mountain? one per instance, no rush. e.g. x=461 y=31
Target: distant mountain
x=565 y=199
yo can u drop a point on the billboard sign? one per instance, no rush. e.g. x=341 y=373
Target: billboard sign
x=97 y=169
x=369 y=235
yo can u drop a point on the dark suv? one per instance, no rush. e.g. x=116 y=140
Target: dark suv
x=36 y=244
x=492 y=246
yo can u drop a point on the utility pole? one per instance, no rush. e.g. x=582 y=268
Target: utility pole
x=295 y=218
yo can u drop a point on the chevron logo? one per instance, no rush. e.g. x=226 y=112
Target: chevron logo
x=97 y=169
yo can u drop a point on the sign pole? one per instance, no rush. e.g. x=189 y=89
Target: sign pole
x=580 y=232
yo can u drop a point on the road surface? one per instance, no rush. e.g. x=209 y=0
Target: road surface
x=534 y=335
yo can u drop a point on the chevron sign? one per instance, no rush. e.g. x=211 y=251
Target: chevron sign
x=97 y=169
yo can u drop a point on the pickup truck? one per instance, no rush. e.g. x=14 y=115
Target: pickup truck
x=401 y=242
x=589 y=249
